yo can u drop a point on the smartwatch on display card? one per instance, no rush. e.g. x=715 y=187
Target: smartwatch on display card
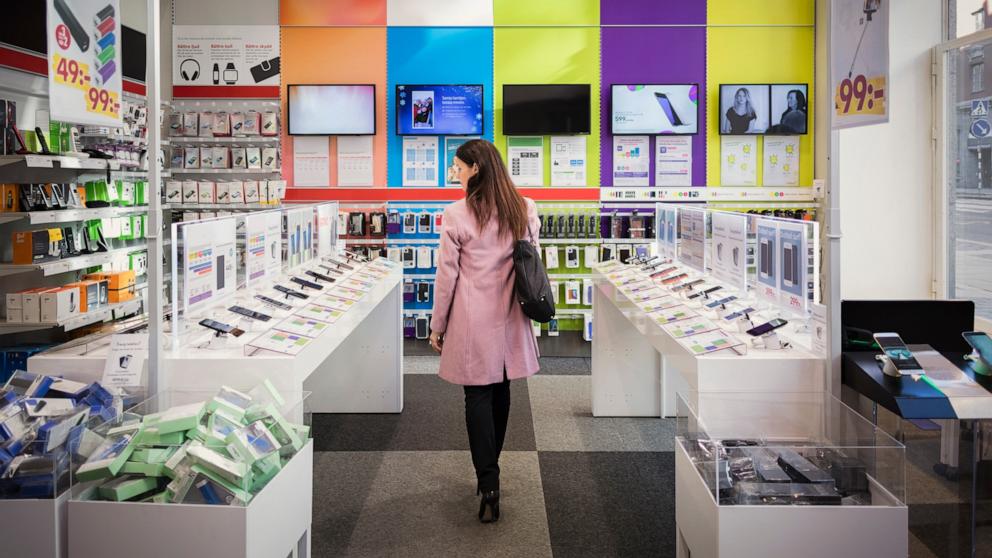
x=220 y=328
x=290 y=292
x=306 y=284
x=250 y=314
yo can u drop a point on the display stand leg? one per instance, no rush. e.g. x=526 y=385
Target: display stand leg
x=626 y=379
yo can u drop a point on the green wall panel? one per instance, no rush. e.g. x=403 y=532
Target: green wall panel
x=546 y=12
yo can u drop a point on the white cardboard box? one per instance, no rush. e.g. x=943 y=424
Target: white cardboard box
x=237 y=189
x=251 y=191
x=31 y=307
x=190 y=191
x=59 y=304
x=223 y=190
x=173 y=191
x=207 y=192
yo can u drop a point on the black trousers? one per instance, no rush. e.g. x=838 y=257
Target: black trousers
x=487 y=409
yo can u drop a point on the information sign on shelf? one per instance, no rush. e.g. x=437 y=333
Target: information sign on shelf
x=125 y=360
x=84 y=61
x=692 y=238
x=209 y=262
x=729 y=249
x=793 y=258
x=766 y=261
x=860 y=62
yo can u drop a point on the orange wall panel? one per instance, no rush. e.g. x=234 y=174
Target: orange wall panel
x=336 y=55
x=332 y=12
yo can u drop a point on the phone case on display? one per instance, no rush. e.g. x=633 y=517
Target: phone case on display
x=616 y=226
x=624 y=252
x=573 y=292
x=342 y=223
x=409 y=327
x=409 y=223
x=423 y=291
x=554 y=291
x=424 y=223
x=636 y=226
x=394 y=222
x=438 y=222
x=535 y=327
x=394 y=254
x=553 y=327
x=409 y=291
x=607 y=253
x=591 y=255
x=206 y=129
x=560 y=227
x=423 y=327
x=356 y=224
x=572 y=257
x=551 y=257
x=409 y=257
x=424 y=257
x=377 y=223
x=435 y=253
x=587 y=286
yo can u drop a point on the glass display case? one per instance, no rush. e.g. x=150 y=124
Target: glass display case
x=803 y=462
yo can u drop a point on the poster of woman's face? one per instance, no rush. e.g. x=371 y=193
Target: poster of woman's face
x=743 y=109
x=790 y=110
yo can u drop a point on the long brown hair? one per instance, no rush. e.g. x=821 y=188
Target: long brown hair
x=491 y=191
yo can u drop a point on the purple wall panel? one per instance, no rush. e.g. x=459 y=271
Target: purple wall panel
x=647 y=55
x=652 y=12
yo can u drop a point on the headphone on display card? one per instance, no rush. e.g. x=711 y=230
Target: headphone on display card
x=189 y=65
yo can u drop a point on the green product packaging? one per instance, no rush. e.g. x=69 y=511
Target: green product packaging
x=146 y=469
x=54 y=136
x=282 y=429
x=152 y=437
x=176 y=419
x=217 y=404
x=161 y=497
x=241 y=493
x=96 y=190
x=252 y=442
x=108 y=459
x=303 y=431
x=126 y=488
x=264 y=470
x=153 y=455
x=237 y=473
x=265 y=392
x=141 y=192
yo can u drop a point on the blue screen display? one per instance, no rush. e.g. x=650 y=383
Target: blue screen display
x=428 y=110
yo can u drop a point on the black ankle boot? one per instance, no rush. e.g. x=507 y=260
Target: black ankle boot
x=489 y=507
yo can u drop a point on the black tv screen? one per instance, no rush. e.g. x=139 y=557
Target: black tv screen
x=546 y=109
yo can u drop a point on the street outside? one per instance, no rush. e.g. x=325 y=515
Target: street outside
x=973 y=251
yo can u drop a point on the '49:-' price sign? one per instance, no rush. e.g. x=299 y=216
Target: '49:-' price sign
x=860 y=95
x=76 y=74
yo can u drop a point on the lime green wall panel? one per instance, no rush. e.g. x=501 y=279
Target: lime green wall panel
x=546 y=12
x=760 y=12
x=542 y=55
x=757 y=55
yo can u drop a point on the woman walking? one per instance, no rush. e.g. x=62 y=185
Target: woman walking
x=483 y=336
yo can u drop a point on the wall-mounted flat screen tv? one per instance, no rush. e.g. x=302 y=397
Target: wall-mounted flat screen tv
x=744 y=109
x=331 y=110
x=655 y=109
x=426 y=110
x=546 y=109
x=789 y=110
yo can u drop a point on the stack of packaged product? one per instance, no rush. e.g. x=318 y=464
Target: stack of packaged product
x=42 y=420
x=220 y=451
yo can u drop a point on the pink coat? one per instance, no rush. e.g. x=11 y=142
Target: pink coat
x=474 y=306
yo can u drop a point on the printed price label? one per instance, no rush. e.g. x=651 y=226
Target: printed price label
x=860 y=95
x=102 y=101
x=71 y=72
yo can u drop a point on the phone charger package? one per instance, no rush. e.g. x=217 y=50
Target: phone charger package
x=239 y=158
x=236 y=190
x=191 y=158
x=253 y=157
x=252 y=123
x=175 y=124
x=207 y=192
x=191 y=124
x=251 y=191
x=223 y=191
x=222 y=124
x=207 y=157
x=221 y=157
x=551 y=257
x=270 y=158
x=190 y=191
x=206 y=129
x=270 y=123
x=572 y=292
x=237 y=123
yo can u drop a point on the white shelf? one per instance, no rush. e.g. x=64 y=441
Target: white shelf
x=569 y=275
x=101 y=315
x=234 y=140
x=571 y=240
x=116 y=139
x=627 y=240
x=573 y=312
x=419 y=275
x=69 y=264
x=59 y=161
x=71 y=215
x=219 y=206
x=224 y=171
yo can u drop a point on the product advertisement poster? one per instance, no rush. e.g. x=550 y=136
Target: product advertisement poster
x=526 y=155
x=766 y=260
x=420 y=160
x=781 y=166
x=859 y=74
x=631 y=161
x=667 y=231
x=354 y=160
x=84 y=62
x=299 y=236
x=439 y=109
x=673 y=161
x=692 y=241
x=738 y=160
x=729 y=249
x=216 y=60
x=792 y=255
x=210 y=260
x=568 y=160
x=451 y=146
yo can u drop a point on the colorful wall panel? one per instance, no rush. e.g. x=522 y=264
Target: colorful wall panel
x=652 y=55
x=329 y=13
x=327 y=55
x=546 y=12
x=440 y=13
x=436 y=56
x=759 y=12
x=562 y=55
x=653 y=12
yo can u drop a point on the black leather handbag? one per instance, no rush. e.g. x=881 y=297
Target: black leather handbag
x=531 y=284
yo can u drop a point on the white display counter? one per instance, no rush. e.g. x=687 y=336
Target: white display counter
x=638 y=367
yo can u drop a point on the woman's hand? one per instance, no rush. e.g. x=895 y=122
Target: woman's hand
x=437 y=340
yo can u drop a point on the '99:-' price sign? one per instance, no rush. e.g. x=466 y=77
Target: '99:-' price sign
x=77 y=74
x=859 y=95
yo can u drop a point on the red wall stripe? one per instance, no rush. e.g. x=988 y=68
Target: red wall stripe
x=428 y=194
x=27 y=62
x=226 y=91
x=135 y=87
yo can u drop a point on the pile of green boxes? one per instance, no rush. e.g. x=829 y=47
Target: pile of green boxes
x=220 y=451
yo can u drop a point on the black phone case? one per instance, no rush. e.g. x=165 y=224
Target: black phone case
x=265 y=69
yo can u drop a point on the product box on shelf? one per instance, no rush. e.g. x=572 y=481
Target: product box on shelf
x=221 y=157
x=237 y=123
x=173 y=191
x=251 y=191
x=191 y=124
x=15 y=312
x=190 y=191
x=238 y=158
x=222 y=124
x=206 y=158
x=192 y=158
x=10 y=197
x=270 y=123
x=253 y=157
x=59 y=304
x=270 y=158
x=252 y=123
x=206 y=192
x=32 y=247
x=89 y=294
x=237 y=191
x=206 y=127
x=120 y=285
x=223 y=192
x=31 y=305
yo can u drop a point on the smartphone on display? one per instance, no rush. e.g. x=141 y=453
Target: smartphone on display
x=290 y=292
x=251 y=314
x=343 y=265
x=698 y=294
x=330 y=269
x=320 y=276
x=663 y=272
x=221 y=327
x=721 y=302
x=666 y=106
x=738 y=314
x=273 y=302
x=674 y=279
x=897 y=351
x=306 y=284
x=766 y=327
x=788 y=264
x=687 y=284
x=766 y=258
x=982 y=344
